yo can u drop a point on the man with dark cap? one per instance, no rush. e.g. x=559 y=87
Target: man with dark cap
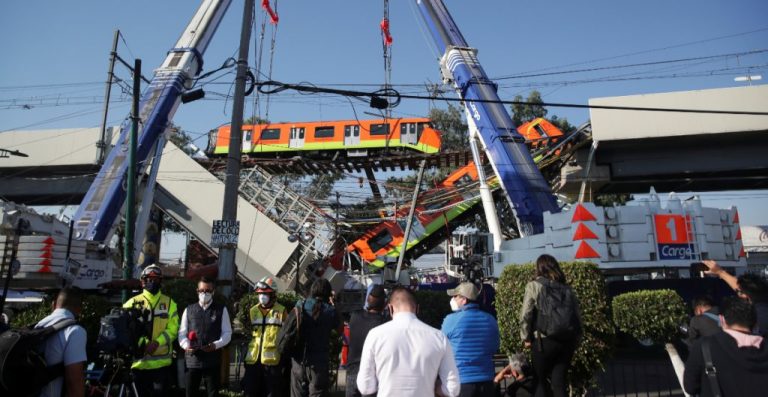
x=360 y=322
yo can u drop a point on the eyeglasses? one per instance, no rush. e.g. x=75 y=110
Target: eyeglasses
x=209 y=291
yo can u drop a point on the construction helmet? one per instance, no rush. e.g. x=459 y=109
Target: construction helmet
x=152 y=271
x=266 y=285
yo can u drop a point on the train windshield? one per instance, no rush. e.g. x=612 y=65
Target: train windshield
x=379 y=241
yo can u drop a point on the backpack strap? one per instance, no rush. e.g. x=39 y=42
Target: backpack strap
x=56 y=370
x=714 y=318
x=709 y=367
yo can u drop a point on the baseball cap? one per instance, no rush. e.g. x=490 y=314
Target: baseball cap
x=465 y=289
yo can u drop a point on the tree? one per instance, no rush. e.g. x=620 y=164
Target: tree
x=181 y=139
x=451 y=123
x=530 y=109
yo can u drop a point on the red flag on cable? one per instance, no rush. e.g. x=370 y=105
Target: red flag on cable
x=272 y=15
x=385 y=31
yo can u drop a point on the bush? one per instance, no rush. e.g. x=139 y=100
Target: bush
x=649 y=315
x=589 y=286
x=433 y=307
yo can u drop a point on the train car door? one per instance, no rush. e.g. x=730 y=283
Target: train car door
x=351 y=135
x=247 y=140
x=408 y=134
x=296 y=138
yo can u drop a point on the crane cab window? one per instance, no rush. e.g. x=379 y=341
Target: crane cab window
x=380 y=240
x=324 y=132
x=379 y=129
x=270 y=133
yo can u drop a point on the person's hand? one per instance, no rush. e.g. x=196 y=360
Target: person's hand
x=505 y=373
x=527 y=344
x=151 y=347
x=714 y=268
x=439 y=389
x=209 y=348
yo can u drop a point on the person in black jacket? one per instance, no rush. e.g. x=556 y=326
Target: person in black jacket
x=706 y=319
x=752 y=287
x=740 y=358
x=360 y=323
x=204 y=330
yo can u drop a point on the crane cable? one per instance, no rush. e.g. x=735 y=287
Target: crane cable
x=386 y=46
x=270 y=13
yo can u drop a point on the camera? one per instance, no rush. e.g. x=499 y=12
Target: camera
x=697 y=269
x=121 y=330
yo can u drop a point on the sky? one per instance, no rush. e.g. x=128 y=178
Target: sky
x=55 y=54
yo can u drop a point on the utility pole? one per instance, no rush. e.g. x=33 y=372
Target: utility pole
x=101 y=145
x=408 y=225
x=232 y=180
x=130 y=198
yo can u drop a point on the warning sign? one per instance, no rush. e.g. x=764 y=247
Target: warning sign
x=224 y=233
x=673 y=237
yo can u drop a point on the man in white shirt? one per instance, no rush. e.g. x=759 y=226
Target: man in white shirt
x=66 y=347
x=204 y=330
x=406 y=357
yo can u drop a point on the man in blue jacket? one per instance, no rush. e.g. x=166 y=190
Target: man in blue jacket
x=474 y=338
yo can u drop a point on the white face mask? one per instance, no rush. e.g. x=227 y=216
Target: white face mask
x=204 y=297
x=454 y=305
x=263 y=299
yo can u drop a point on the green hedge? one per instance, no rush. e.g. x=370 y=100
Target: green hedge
x=589 y=285
x=649 y=315
x=433 y=307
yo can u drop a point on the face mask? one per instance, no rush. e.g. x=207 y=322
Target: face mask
x=204 y=297
x=263 y=299
x=454 y=305
x=152 y=286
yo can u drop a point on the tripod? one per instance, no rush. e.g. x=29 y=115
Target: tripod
x=123 y=376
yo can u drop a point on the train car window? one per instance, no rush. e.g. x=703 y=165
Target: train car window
x=463 y=181
x=438 y=204
x=380 y=240
x=301 y=133
x=270 y=133
x=541 y=131
x=351 y=130
x=380 y=129
x=324 y=132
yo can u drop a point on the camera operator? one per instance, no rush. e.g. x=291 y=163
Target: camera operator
x=749 y=287
x=151 y=371
x=205 y=329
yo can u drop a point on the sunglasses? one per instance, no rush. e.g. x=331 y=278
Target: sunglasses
x=209 y=291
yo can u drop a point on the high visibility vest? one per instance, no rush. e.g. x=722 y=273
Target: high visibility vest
x=165 y=327
x=263 y=345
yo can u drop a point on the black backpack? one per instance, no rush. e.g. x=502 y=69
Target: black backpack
x=289 y=338
x=556 y=315
x=23 y=371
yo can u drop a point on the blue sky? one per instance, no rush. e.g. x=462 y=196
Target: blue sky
x=55 y=53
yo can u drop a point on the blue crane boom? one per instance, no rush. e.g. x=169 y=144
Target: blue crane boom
x=96 y=216
x=526 y=189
